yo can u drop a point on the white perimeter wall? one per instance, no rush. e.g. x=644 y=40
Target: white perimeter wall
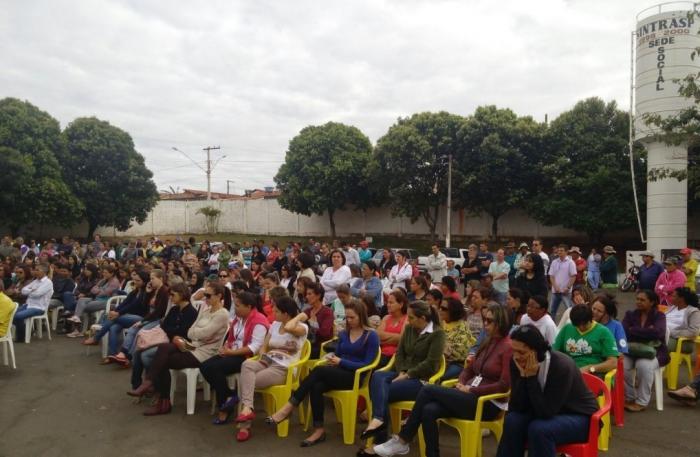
x=265 y=216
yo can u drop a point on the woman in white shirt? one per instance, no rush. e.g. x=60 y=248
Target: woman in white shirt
x=401 y=272
x=281 y=348
x=335 y=276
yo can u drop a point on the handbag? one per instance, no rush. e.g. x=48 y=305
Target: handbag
x=639 y=350
x=150 y=337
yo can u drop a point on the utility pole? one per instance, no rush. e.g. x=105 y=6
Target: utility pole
x=449 y=201
x=228 y=190
x=209 y=167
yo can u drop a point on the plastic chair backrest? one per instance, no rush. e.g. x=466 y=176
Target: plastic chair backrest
x=8 y=335
x=598 y=388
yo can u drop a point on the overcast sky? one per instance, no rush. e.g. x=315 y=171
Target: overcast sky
x=248 y=75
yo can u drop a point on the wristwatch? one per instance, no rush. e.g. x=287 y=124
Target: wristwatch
x=591 y=369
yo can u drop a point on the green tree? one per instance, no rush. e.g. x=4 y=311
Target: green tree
x=496 y=150
x=107 y=174
x=326 y=168
x=36 y=192
x=413 y=156
x=586 y=183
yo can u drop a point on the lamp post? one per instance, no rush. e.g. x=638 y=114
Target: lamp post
x=448 y=223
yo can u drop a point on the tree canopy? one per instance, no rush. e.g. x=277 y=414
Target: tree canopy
x=496 y=152
x=30 y=140
x=585 y=181
x=326 y=168
x=413 y=156
x=106 y=173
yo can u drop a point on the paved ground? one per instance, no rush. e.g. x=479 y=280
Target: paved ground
x=60 y=402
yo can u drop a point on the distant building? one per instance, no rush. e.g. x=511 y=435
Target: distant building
x=193 y=194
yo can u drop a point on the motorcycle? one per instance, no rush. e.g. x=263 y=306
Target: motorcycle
x=631 y=281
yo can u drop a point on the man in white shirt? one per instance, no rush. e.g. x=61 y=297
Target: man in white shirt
x=437 y=264
x=562 y=275
x=499 y=271
x=537 y=316
x=38 y=293
x=352 y=257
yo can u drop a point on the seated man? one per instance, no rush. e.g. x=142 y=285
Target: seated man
x=38 y=293
x=590 y=344
x=537 y=315
x=62 y=284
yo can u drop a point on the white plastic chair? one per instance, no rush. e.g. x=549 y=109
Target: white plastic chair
x=29 y=326
x=111 y=302
x=192 y=375
x=54 y=316
x=659 y=380
x=7 y=344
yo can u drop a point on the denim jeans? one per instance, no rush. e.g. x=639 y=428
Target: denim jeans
x=453 y=370
x=141 y=361
x=69 y=301
x=114 y=327
x=541 y=435
x=594 y=279
x=382 y=392
x=129 y=344
x=557 y=298
x=24 y=312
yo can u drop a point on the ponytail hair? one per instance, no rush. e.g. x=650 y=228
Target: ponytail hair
x=423 y=309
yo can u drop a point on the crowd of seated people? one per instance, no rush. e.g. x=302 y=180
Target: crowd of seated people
x=249 y=309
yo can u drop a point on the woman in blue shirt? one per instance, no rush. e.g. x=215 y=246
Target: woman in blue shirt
x=357 y=347
x=605 y=312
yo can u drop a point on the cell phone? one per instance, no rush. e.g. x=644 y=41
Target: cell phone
x=329 y=355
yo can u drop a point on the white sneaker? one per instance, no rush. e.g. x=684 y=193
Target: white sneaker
x=75 y=319
x=392 y=447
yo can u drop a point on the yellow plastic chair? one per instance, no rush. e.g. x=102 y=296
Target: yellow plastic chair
x=678 y=358
x=397 y=407
x=345 y=401
x=304 y=408
x=606 y=430
x=470 y=430
x=276 y=396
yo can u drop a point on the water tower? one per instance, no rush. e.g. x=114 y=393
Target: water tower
x=665 y=37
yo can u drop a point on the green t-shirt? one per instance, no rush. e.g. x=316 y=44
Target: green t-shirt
x=589 y=348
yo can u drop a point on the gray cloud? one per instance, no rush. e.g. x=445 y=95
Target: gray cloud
x=249 y=75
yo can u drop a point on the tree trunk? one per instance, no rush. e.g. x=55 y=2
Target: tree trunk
x=92 y=226
x=494 y=226
x=332 y=222
x=431 y=222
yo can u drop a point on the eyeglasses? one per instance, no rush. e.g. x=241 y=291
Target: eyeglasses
x=206 y=295
x=223 y=276
x=488 y=320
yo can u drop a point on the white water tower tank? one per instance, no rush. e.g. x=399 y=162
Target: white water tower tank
x=665 y=37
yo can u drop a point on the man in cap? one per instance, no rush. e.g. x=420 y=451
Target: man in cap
x=649 y=271
x=669 y=280
x=580 y=263
x=690 y=268
x=608 y=268
x=523 y=251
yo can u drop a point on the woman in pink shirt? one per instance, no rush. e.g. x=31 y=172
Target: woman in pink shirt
x=668 y=281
